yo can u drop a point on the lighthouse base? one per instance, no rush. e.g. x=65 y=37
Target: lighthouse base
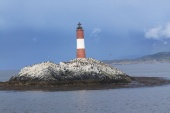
x=81 y=53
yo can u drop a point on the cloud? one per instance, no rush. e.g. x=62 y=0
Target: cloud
x=153 y=33
x=95 y=33
x=165 y=42
x=166 y=31
x=96 y=30
x=159 y=32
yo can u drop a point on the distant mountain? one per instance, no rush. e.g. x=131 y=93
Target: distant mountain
x=158 y=57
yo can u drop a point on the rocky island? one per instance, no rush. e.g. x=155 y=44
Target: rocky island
x=79 y=73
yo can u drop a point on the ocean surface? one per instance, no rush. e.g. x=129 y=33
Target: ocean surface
x=125 y=100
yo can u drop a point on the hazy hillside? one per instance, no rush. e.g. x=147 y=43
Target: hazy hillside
x=158 y=57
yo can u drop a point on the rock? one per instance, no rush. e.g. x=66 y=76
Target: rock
x=76 y=71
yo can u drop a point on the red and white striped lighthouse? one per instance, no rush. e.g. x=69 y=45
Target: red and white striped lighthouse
x=80 y=42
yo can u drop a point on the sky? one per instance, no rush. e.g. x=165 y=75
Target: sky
x=34 y=31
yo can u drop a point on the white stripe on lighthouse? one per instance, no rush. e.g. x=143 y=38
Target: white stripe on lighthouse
x=80 y=44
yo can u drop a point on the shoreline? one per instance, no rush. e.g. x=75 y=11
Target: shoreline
x=137 y=82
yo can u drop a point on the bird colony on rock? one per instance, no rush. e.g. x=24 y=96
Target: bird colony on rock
x=77 y=69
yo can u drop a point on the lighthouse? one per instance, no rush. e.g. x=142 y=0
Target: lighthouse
x=80 y=42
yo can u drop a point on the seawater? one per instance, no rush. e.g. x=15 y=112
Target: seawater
x=125 y=100
x=148 y=70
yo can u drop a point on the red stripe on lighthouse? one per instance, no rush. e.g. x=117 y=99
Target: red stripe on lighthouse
x=81 y=53
x=80 y=34
x=80 y=42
